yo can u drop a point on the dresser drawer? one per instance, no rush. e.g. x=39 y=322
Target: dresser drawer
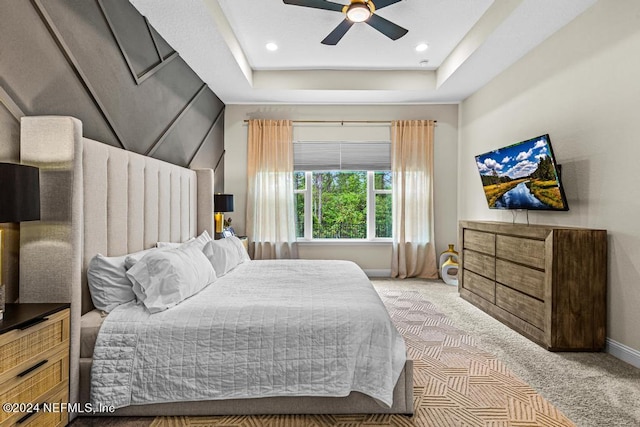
x=21 y=349
x=521 y=278
x=479 y=285
x=521 y=250
x=484 y=265
x=480 y=241
x=523 y=306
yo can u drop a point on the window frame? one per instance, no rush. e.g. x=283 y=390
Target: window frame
x=371 y=206
x=371 y=210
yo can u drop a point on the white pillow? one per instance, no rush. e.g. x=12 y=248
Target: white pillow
x=225 y=254
x=108 y=283
x=133 y=258
x=171 y=245
x=244 y=255
x=164 y=278
x=201 y=240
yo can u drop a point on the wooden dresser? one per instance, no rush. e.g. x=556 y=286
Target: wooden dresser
x=548 y=283
x=34 y=364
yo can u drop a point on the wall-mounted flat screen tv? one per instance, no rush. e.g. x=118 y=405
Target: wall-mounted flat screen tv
x=522 y=176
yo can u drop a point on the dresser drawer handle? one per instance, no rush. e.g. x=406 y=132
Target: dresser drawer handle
x=33 y=368
x=34 y=322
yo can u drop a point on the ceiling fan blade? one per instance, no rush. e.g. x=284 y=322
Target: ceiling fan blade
x=334 y=36
x=388 y=28
x=384 y=3
x=316 y=4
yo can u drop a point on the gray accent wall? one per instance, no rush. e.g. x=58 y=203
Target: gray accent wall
x=101 y=62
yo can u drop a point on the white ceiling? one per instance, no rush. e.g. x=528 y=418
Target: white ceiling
x=298 y=32
x=470 y=42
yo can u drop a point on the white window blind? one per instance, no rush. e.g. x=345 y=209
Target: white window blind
x=346 y=156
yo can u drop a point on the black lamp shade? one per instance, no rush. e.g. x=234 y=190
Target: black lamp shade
x=223 y=202
x=19 y=193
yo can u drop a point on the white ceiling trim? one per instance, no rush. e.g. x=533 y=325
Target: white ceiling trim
x=345 y=80
x=223 y=26
x=497 y=13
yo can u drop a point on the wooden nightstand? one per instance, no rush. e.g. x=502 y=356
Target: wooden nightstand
x=34 y=363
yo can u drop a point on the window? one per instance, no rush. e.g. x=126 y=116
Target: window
x=382 y=204
x=336 y=197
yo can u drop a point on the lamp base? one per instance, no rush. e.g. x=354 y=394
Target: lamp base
x=219 y=220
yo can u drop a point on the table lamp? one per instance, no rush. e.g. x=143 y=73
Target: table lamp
x=221 y=203
x=19 y=201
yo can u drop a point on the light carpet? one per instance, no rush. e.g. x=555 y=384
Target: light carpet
x=455 y=382
x=592 y=389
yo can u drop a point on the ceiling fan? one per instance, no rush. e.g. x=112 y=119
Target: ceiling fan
x=357 y=11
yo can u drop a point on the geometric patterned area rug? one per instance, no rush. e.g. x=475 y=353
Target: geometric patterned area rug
x=455 y=383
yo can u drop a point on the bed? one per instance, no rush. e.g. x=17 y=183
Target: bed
x=101 y=199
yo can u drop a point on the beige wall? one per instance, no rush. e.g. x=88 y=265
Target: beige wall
x=376 y=258
x=582 y=86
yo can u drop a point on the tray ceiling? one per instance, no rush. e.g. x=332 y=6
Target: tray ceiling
x=469 y=43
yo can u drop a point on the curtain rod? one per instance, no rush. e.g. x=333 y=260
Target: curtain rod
x=342 y=121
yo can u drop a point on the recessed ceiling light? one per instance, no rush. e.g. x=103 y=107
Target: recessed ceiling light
x=422 y=47
x=424 y=63
x=271 y=46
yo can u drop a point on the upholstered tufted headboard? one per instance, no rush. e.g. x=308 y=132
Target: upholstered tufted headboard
x=96 y=198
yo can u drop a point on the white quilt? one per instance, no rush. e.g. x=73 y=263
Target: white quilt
x=268 y=328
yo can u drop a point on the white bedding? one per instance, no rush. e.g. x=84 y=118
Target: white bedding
x=267 y=328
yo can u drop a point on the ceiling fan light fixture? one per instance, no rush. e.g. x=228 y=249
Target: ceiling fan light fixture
x=358 y=12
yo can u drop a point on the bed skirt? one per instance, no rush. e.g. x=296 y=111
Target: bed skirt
x=355 y=403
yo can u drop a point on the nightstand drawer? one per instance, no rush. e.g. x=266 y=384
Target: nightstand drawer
x=21 y=349
x=34 y=386
x=50 y=413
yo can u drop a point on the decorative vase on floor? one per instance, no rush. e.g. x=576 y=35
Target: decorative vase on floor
x=449 y=266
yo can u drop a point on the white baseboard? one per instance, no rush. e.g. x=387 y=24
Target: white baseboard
x=623 y=352
x=377 y=273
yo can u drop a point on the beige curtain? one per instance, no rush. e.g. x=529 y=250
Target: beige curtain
x=412 y=164
x=271 y=220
